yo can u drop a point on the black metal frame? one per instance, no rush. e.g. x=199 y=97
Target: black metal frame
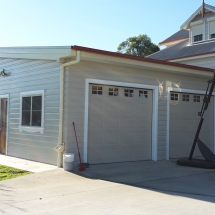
x=208 y=94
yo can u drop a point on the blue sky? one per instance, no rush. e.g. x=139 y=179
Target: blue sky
x=100 y=24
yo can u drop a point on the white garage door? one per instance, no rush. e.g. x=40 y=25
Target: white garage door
x=120 y=121
x=184 y=121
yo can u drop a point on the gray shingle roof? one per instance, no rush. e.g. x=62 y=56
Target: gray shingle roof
x=183 y=49
x=178 y=35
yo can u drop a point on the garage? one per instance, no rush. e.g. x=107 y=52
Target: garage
x=119 y=124
x=184 y=120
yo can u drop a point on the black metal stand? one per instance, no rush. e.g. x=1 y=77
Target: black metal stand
x=209 y=164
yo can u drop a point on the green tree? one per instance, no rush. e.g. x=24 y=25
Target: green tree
x=141 y=46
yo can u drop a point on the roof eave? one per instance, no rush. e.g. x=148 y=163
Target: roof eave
x=186 y=23
x=141 y=59
x=170 y=41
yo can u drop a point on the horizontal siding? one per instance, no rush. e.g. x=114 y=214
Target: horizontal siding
x=32 y=75
x=75 y=96
x=208 y=63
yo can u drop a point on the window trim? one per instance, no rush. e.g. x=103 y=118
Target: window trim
x=198 y=40
x=32 y=129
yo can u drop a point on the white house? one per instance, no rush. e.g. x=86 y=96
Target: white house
x=125 y=108
x=194 y=43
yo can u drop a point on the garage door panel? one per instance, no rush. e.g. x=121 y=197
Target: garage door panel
x=113 y=139
x=143 y=109
x=128 y=123
x=96 y=122
x=95 y=155
x=142 y=138
x=112 y=107
x=184 y=121
x=96 y=140
x=122 y=126
x=185 y=112
x=139 y=153
x=112 y=155
x=97 y=107
x=113 y=123
x=184 y=125
x=185 y=138
x=143 y=123
x=127 y=139
x=128 y=108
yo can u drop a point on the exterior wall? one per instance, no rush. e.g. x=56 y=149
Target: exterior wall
x=32 y=75
x=205 y=25
x=202 y=62
x=75 y=96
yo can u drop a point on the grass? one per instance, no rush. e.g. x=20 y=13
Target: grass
x=7 y=172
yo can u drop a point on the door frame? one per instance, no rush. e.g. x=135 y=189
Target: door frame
x=6 y=96
x=154 y=89
x=182 y=90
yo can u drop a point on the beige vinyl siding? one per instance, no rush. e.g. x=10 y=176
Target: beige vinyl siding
x=32 y=75
x=202 y=62
x=211 y=28
x=197 y=29
x=75 y=96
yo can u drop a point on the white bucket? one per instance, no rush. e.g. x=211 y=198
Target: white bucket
x=68 y=160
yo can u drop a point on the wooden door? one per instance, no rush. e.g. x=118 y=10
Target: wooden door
x=3 y=125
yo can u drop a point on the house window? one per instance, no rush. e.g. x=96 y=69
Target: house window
x=97 y=90
x=212 y=36
x=174 y=96
x=198 y=38
x=32 y=111
x=143 y=94
x=196 y=98
x=128 y=93
x=185 y=98
x=113 y=91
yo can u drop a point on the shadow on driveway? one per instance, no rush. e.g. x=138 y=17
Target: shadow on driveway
x=161 y=176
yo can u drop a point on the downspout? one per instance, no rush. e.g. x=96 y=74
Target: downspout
x=60 y=147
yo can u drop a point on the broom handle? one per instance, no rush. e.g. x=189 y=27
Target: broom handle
x=77 y=143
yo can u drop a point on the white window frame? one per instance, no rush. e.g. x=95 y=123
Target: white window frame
x=32 y=129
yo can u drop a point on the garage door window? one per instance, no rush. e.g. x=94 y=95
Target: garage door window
x=174 y=96
x=97 y=90
x=113 y=91
x=143 y=94
x=185 y=98
x=128 y=93
x=196 y=98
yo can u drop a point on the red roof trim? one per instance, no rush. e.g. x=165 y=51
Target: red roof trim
x=194 y=55
x=168 y=41
x=131 y=57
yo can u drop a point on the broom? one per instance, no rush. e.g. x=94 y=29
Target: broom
x=82 y=166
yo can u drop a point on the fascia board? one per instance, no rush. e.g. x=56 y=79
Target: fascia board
x=35 y=53
x=193 y=58
x=190 y=18
x=142 y=65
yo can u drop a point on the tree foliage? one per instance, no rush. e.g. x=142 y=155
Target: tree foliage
x=141 y=46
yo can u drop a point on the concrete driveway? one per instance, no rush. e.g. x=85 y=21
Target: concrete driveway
x=137 y=188
x=160 y=175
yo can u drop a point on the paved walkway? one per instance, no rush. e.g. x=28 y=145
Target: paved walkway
x=27 y=165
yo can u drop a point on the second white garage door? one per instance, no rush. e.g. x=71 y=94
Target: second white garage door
x=184 y=121
x=120 y=122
